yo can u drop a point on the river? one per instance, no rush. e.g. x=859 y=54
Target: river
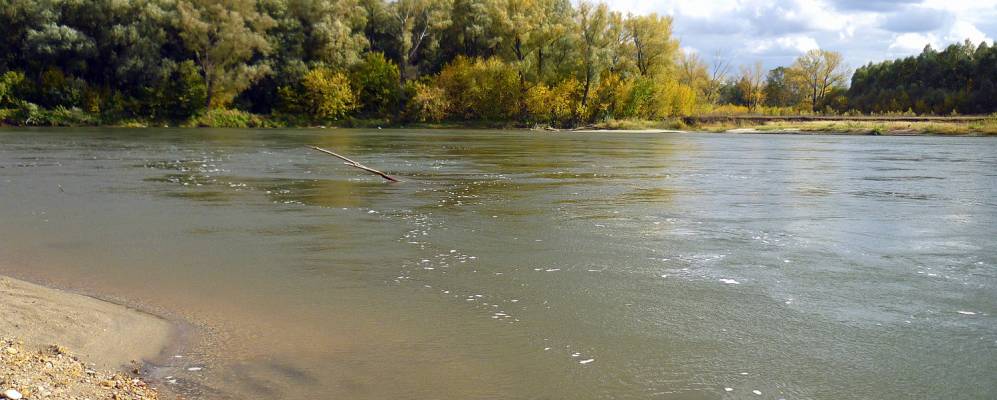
x=524 y=265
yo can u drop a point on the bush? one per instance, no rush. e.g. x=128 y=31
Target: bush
x=57 y=89
x=62 y=116
x=376 y=82
x=557 y=106
x=11 y=87
x=322 y=94
x=27 y=114
x=180 y=93
x=427 y=103
x=481 y=89
x=227 y=118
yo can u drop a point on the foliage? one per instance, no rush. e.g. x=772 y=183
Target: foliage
x=961 y=79
x=227 y=118
x=11 y=84
x=179 y=94
x=557 y=106
x=224 y=35
x=427 y=103
x=818 y=73
x=322 y=95
x=376 y=81
x=487 y=89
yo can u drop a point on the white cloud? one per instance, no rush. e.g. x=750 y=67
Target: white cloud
x=962 y=30
x=913 y=42
x=786 y=45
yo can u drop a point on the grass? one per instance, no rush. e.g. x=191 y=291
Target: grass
x=986 y=127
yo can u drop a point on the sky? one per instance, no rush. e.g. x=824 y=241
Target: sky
x=775 y=32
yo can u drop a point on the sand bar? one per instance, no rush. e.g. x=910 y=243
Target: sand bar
x=106 y=334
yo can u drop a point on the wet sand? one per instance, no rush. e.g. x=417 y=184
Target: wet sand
x=108 y=335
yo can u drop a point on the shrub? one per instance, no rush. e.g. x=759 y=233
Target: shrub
x=481 y=89
x=376 y=82
x=57 y=89
x=179 y=94
x=556 y=106
x=427 y=103
x=227 y=118
x=322 y=94
x=11 y=86
x=62 y=116
x=27 y=114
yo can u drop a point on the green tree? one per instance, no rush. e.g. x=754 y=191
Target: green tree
x=418 y=26
x=780 y=91
x=594 y=41
x=650 y=41
x=224 y=36
x=376 y=81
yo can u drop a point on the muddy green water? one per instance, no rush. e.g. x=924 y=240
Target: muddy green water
x=517 y=265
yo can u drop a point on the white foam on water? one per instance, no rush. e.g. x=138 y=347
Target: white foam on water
x=194 y=369
x=729 y=281
x=583 y=362
x=728 y=389
x=966 y=312
x=756 y=392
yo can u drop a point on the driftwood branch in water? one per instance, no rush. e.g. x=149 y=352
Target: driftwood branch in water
x=355 y=164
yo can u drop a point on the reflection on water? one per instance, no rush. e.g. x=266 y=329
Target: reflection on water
x=523 y=265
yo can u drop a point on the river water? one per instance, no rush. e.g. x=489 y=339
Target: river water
x=519 y=265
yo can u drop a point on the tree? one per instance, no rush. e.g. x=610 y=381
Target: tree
x=753 y=84
x=323 y=94
x=780 y=91
x=330 y=32
x=592 y=29
x=818 y=72
x=376 y=81
x=719 y=70
x=650 y=39
x=223 y=36
x=417 y=26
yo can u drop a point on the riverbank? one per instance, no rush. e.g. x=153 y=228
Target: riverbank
x=51 y=324
x=815 y=125
x=886 y=125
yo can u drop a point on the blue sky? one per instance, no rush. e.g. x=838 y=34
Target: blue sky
x=777 y=31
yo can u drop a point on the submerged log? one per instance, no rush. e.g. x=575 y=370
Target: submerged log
x=354 y=164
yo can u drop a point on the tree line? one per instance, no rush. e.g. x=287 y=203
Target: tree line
x=550 y=62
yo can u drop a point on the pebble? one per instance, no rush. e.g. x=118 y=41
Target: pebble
x=12 y=394
x=194 y=369
x=10 y=350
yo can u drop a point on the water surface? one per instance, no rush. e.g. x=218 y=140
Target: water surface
x=519 y=265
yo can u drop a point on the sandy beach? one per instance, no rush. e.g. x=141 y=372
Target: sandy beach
x=45 y=330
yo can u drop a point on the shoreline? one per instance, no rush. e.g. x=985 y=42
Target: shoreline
x=813 y=126
x=114 y=340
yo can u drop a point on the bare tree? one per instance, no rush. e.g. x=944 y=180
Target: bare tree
x=719 y=71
